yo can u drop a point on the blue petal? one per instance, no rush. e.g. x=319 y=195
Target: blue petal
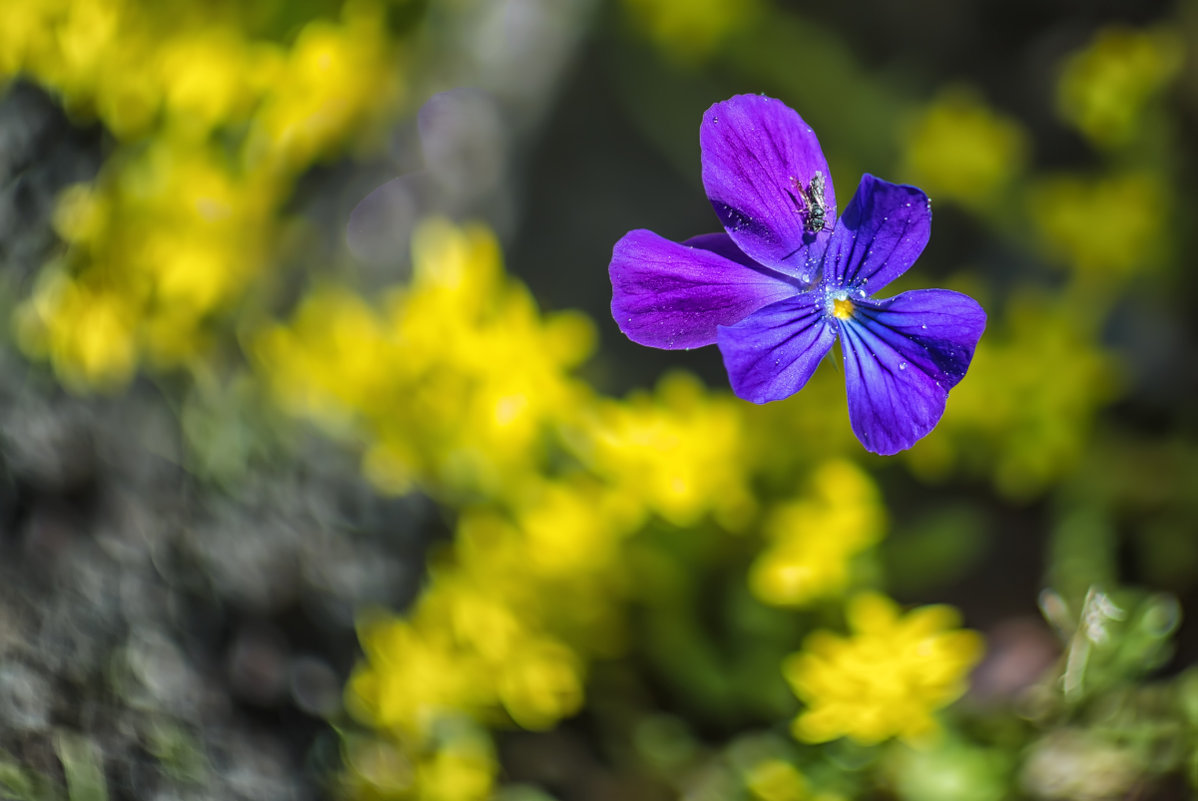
x=879 y=236
x=771 y=353
x=901 y=357
x=667 y=295
x=759 y=161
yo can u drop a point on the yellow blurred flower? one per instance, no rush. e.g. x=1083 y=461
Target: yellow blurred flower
x=689 y=30
x=776 y=780
x=458 y=765
x=887 y=678
x=84 y=331
x=213 y=128
x=960 y=149
x=172 y=236
x=211 y=77
x=541 y=684
x=415 y=676
x=1109 y=226
x=335 y=78
x=80 y=215
x=454 y=380
x=23 y=32
x=502 y=630
x=329 y=363
x=457 y=775
x=570 y=529
x=812 y=540
x=1105 y=89
x=679 y=451
x=83 y=33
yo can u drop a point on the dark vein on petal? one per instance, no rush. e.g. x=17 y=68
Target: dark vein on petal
x=865 y=330
x=887 y=381
x=898 y=241
x=885 y=261
x=799 y=331
x=945 y=355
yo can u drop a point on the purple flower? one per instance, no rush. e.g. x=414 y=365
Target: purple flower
x=789 y=276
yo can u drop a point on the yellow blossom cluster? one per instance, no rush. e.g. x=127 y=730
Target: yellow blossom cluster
x=1106 y=88
x=459 y=764
x=768 y=769
x=1113 y=225
x=502 y=636
x=704 y=474
x=812 y=540
x=961 y=150
x=456 y=377
x=887 y=677
x=213 y=124
x=778 y=780
x=689 y=30
x=504 y=629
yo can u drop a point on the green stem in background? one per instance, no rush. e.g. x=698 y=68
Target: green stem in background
x=81 y=765
x=1081 y=554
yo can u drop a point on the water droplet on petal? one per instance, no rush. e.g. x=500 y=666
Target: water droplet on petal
x=902 y=365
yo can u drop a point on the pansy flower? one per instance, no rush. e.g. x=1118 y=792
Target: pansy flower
x=789 y=276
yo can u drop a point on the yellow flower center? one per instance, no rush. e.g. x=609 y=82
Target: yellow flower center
x=842 y=308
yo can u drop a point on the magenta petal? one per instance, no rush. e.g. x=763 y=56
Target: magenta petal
x=881 y=233
x=758 y=157
x=771 y=353
x=901 y=357
x=667 y=295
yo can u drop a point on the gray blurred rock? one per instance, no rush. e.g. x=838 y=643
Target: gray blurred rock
x=25 y=698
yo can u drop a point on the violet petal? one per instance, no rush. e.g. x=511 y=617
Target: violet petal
x=901 y=357
x=772 y=353
x=881 y=233
x=759 y=158
x=722 y=245
x=673 y=296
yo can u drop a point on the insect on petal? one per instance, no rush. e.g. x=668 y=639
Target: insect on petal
x=881 y=233
x=759 y=161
